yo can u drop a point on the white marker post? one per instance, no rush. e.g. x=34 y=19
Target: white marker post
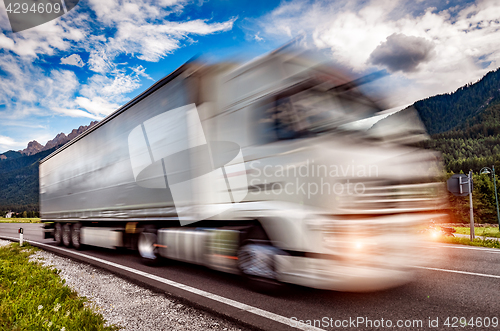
x=20 y=236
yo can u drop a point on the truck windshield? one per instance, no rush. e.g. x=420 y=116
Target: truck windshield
x=312 y=112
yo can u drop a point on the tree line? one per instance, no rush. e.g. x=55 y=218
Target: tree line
x=461 y=108
x=483 y=200
x=23 y=214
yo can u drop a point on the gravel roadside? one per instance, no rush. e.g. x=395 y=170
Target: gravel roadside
x=126 y=304
x=4 y=242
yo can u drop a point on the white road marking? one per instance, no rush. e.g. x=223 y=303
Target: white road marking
x=254 y=310
x=459 y=272
x=485 y=249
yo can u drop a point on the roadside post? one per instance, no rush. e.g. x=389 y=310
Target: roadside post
x=461 y=185
x=20 y=236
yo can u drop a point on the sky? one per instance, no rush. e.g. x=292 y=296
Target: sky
x=84 y=65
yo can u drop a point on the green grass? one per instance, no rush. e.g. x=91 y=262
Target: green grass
x=466 y=241
x=34 y=297
x=480 y=231
x=19 y=220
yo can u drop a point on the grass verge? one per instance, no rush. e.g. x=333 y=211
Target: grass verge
x=480 y=231
x=481 y=242
x=34 y=297
x=19 y=220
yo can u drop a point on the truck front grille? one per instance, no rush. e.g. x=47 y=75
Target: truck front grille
x=379 y=197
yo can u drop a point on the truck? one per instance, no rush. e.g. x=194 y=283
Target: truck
x=258 y=169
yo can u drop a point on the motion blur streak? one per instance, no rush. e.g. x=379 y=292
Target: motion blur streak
x=267 y=167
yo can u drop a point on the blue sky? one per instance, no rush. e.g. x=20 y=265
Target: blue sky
x=85 y=64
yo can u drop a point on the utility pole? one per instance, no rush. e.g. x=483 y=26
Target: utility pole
x=471 y=208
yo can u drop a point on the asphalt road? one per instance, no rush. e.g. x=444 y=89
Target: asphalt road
x=465 y=283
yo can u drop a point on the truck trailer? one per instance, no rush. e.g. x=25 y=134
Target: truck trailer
x=256 y=169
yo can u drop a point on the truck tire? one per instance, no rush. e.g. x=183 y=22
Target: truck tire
x=75 y=236
x=58 y=234
x=66 y=234
x=146 y=246
x=257 y=264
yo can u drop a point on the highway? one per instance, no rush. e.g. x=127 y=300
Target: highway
x=464 y=283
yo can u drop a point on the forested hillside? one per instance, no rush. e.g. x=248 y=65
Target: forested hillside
x=445 y=112
x=475 y=145
x=10 y=155
x=19 y=182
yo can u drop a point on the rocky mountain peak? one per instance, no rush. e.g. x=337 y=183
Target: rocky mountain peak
x=33 y=148
x=59 y=140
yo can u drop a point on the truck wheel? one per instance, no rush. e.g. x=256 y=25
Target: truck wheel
x=58 y=234
x=66 y=234
x=147 y=248
x=257 y=263
x=75 y=236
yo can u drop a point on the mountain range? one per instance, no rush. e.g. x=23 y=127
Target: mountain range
x=463 y=108
x=35 y=147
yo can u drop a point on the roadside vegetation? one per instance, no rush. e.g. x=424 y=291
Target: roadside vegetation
x=481 y=242
x=480 y=231
x=34 y=297
x=19 y=220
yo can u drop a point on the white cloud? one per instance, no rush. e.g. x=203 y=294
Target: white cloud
x=7 y=141
x=59 y=87
x=77 y=112
x=100 y=62
x=111 y=87
x=465 y=39
x=140 y=71
x=149 y=41
x=140 y=29
x=112 y=12
x=74 y=60
x=96 y=106
x=28 y=91
x=17 y=81
x=143 y=30
x=48 y=38
x=124 y=29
